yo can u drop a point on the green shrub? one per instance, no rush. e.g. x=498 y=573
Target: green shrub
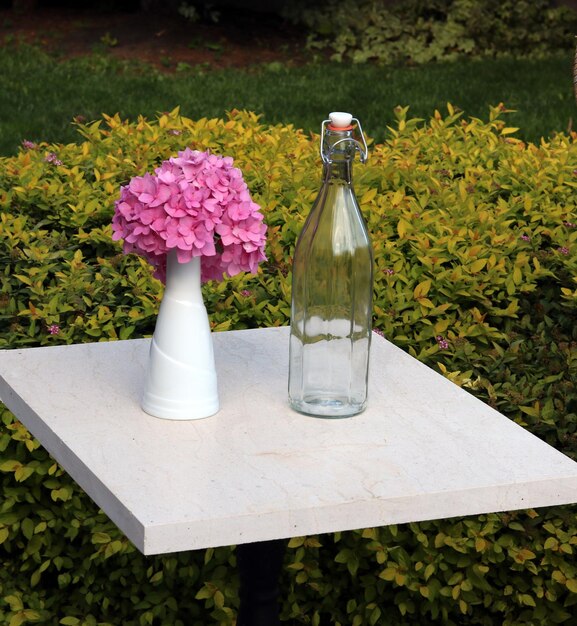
x=475 y=242
x=420 y=32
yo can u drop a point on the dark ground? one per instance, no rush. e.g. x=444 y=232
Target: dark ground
x=236 y=40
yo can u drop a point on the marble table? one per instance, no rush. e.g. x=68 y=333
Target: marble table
x=257 y=471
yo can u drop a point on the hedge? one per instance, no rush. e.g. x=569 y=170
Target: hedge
x=415 y=32
x=475 y=240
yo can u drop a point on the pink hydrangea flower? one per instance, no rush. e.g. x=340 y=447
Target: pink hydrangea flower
x=197 y=204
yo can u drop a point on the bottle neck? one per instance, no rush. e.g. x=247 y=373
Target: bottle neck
x=338 y=156
x=338 y=171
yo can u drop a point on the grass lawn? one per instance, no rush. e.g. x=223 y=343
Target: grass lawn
x=39 y=95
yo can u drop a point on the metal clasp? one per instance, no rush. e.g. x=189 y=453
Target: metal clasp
x=362 y=149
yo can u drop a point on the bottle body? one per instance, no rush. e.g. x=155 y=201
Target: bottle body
x=331 y=308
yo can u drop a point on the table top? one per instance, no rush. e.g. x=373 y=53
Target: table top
x=423 y=449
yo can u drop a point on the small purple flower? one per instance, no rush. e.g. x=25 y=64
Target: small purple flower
x=54 y=329
x=442 y=342
x=569 y=224
x=52 y=158
x=525 y=238
x=28 y=145
x=574 y=172
x=174 y=131
x=388 y=271
x=378 y=331
x=563 y=250
x=246 y=293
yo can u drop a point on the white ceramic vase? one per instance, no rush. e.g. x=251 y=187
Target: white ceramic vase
x=181 y=379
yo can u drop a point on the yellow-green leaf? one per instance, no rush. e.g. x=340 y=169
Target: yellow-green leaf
x=369 y=195
x=388 y=573
x=422 y=289
x=402 y=227
x=477 y=265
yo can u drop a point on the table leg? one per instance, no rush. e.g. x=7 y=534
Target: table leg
x=259 y=565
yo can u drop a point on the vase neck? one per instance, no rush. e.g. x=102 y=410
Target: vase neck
x=183 y=279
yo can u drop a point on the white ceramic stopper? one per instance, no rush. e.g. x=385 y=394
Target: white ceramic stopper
x=340 y=120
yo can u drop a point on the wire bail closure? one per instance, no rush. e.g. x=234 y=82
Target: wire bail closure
x=362 y=149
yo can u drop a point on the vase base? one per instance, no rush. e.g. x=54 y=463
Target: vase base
x=170 y=410
x=181 y=382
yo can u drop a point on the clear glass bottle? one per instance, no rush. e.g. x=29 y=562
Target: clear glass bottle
x=332 y=287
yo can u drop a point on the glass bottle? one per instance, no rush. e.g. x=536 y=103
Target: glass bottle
x=332 y=287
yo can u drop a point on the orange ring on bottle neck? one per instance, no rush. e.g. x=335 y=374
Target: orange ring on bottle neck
x=342 y=128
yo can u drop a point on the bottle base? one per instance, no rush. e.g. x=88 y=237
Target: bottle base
x=327 y=407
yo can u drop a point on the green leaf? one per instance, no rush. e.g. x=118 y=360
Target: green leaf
x=10 y=466
x=17 y=619
x=15 y=602
x=477 y=265
x=509 y=130
x=27 y=526
x=157 y=577
x=422 y=289
x=551 y=543
x=296 y=542
x=375 y=616
x=388 y=573
x=22 y=473
x=204 y=593
x=100 y=538
x=527 y=599
x=35 y=578
x=218 y=598
x=63 y=494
